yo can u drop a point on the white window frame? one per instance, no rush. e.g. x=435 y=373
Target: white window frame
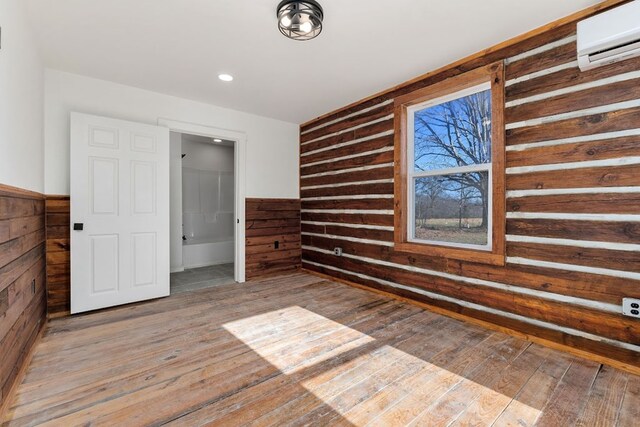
x=412 y=175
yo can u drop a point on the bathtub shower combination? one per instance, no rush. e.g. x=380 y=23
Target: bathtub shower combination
x=208 y=217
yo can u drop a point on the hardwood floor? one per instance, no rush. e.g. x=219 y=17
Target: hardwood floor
x=300 y=350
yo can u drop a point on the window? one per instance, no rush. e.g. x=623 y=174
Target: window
x=450 y=168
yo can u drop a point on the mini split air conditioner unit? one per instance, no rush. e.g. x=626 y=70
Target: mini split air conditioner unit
x=609 y=37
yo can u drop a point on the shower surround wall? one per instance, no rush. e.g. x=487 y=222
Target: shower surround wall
x=207 y=203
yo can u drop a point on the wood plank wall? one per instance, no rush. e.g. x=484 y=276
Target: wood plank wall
x=573 y=201
x=268 y=221
x=22 y=279
x=58 y=210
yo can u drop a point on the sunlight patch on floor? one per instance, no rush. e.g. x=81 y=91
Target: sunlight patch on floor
x=293 y=338
x=381 y=383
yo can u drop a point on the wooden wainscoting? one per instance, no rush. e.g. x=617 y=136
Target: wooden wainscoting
x=22 y=279
x=573 y=200
x=269 y=221
x=58 y=209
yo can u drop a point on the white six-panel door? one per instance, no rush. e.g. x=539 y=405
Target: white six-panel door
x=120 y=195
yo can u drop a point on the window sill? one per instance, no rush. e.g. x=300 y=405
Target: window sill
x=471 y=255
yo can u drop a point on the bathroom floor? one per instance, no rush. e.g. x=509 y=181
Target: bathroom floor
x=200 y=278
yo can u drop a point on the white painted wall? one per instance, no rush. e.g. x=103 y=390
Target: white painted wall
x=272 y=145
x=21 y=101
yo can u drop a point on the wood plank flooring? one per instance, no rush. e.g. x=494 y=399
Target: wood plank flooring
x=300 y=350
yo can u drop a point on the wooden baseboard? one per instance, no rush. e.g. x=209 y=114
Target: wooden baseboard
x=5 y=405
x=547 y=343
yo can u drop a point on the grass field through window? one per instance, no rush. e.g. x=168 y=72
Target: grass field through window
x=453 y=230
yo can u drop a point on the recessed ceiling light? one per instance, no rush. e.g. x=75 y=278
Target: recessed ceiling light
x=225 y=77
x=217 y=140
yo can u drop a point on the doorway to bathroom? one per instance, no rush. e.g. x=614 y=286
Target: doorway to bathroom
x=206 y=207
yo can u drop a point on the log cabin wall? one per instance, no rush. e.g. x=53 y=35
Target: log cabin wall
x=269 y=221
x=22 y=279
x=573 y=200
x=58 y=210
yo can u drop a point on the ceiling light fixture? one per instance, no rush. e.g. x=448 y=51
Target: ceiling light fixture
x=217 y=140
x=300 y=19
x=225 y=77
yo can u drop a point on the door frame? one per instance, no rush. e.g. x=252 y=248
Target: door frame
x=240 y=151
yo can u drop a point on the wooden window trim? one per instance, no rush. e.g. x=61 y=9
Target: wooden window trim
x=493 y=73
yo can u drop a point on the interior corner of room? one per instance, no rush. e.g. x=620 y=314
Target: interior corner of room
x=285 y=218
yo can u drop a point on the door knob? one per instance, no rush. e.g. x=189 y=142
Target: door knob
x=78 y=226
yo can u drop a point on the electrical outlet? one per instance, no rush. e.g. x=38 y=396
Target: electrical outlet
x=337 y=251
x=631 y=307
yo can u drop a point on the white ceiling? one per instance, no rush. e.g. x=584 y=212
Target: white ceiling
x=179 y=47
x=206 y=140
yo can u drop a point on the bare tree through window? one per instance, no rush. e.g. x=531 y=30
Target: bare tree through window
x=452 y=163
